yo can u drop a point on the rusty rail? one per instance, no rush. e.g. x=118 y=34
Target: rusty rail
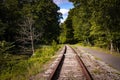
x=82 y=65
x=84 y=68
x=57 y=65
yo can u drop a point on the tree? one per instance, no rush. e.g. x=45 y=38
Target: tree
x=28 y=34
x=9 y=23
x=27 y=31
x=42 y=14
x=48 y=20
x=62 y=37
x=67 y=35
x=97 y=22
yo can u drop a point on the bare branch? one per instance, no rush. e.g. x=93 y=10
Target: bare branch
x=28 y=34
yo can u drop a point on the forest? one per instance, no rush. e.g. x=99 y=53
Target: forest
x=93 y=23
x=26 y=25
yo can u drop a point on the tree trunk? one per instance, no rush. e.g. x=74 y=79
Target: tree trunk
x=32 y=44
x=118 y=50
x=31 y=35
x=111 y=46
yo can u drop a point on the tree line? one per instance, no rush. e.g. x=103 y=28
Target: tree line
x=93 y=22
x=27 y=23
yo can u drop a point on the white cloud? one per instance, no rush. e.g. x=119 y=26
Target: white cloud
x=64 y=11
x=64 y=8
x=65 y=17
x=60 y=1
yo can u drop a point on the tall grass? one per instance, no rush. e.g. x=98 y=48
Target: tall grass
x=22 y=69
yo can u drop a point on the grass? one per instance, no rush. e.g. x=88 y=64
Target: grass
x=100 y=49
x=21 y=67
x=97 y=58
x=106 y=51
x=96 y=71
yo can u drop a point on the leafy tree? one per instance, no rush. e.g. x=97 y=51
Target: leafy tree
x=62 y=37
x=48 y=20
x=7 y=9
x=67 y=35
x=97 y=22
x=13 y=14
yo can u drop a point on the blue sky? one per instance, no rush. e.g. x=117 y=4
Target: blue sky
x=65 y=6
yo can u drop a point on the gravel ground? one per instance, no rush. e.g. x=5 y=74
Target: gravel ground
x=71 y=69
x=97 y=68
x=113 y=61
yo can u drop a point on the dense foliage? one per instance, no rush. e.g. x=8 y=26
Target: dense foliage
x=25 y=25
x=94 y=22
x=24 y=22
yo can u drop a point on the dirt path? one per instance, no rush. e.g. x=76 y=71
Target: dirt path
x=114 y=61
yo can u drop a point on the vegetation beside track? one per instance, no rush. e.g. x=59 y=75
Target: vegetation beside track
x=21 y=67
x=105 y=50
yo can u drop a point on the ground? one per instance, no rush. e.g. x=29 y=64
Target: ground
x=94 y=60
x=113 y=61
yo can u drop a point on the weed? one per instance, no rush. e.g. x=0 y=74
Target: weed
x=96 y=71
x=20 y=67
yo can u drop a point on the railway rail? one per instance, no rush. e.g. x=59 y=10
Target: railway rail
x=68 y=66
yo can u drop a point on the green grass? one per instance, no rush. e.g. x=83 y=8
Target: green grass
x=106 y=51
x=96 y=71
x=99 y=49
x=21 y=67
x=97 y=58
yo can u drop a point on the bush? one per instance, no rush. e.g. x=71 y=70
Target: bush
x=5 y=47
x=21 y=69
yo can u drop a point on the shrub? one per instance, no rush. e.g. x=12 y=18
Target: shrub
x=21 y=69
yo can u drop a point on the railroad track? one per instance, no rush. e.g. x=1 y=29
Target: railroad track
x=68 y=66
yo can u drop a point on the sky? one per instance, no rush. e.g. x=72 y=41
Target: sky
x=65 y=6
